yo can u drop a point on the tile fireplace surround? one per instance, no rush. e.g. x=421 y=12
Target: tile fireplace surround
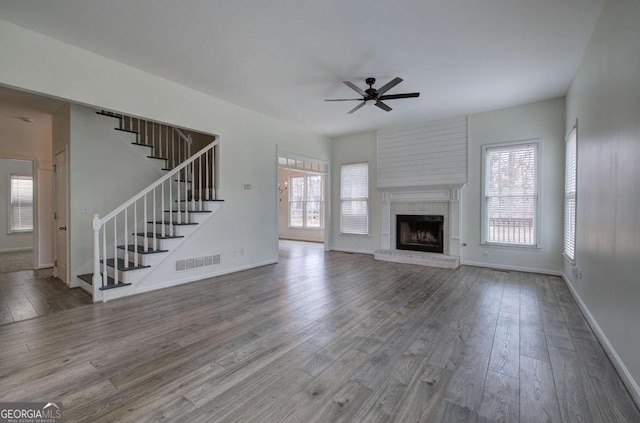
x=443 y=201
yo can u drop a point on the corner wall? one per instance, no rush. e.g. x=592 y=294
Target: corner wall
x=604 y=98
x=360 y=147
x=545 y=121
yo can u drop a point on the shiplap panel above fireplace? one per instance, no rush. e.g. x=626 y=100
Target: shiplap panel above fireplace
x=433 y=154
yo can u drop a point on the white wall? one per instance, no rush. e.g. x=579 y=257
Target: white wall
x=32 y=141
x=605 y=99
x=545 y=121
x=248 y=218
x=284 y=231
x=8 y=241
x=351 y=149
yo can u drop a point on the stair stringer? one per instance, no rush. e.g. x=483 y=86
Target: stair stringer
x=142 y=282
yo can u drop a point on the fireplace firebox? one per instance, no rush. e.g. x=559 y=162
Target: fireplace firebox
x=420 y=233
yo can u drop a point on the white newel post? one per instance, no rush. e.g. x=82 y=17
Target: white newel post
x=97 y=279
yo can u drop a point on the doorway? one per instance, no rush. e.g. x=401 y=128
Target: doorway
x=303 y=209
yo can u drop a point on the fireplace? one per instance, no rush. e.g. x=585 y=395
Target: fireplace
x=420 y=233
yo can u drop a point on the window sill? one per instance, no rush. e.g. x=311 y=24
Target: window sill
x=348 y=234
x=306 y=229
x=20 y=233
x=569 y=260
x=510 y=246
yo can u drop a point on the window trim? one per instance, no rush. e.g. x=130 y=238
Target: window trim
x=367 y=199
x=571 y=260
x=484 y=227
x=10 y=230
x=305 y=201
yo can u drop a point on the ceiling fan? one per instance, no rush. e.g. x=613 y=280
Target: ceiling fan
x=374 y=96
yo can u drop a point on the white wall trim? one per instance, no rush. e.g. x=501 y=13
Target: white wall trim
x=15 y=250
x=45 y=266
x=352 y=250
x=625 y=375
x=514 y=268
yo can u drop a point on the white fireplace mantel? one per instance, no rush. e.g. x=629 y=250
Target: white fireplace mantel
x=440 y=194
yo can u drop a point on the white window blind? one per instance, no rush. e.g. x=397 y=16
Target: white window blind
x=354 y=198
x=570 y=185
x=510 y=194
x=21 y=204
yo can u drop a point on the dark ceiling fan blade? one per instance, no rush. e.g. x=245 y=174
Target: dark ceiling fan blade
x=356 y=108
x=354 y=88
x=383 y=106
x=342 y=99
x=386 y=87
x=396 y=96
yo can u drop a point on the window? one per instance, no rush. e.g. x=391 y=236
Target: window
x=21 y=204
x=306 y=202
x=570 y=186
x=354 y=199
x=510 y=194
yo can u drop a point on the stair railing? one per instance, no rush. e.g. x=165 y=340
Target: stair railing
x=167 y=141
x=188 y=185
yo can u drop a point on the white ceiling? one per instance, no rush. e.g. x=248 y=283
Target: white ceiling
x=283 y=57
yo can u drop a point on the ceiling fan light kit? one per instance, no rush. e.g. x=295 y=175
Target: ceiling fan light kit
x=374 y=96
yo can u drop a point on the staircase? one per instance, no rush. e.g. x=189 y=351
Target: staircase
x=148 y=227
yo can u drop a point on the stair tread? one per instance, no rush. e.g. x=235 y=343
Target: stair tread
x=157 y=157
x=158 y=236
x=197 y=199
x=175 y=223
x=132 y=266
x=110 y=281
x=126 y=130
x=108 y=115
x=141 y=250
x=144 y=145
x=190 y=211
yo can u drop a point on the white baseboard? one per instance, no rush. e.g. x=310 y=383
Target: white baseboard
x=45 y=266
x=350 y=250
x=625 y=375
x=15 y=250
x=514 y=268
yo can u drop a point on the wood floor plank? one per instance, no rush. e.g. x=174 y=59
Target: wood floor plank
x=500 y=399
x=452 y=413
x=538 y=397
x=576 y=401
x=505 y=353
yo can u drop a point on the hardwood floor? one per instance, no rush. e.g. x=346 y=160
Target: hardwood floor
x=33 y=293
x=323 y=337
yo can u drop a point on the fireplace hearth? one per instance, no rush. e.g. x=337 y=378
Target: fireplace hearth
x=420 y=233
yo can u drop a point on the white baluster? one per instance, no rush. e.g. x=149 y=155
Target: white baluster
x=104 y=255
x=155 y=222
x=115 y=250
x=96 y=250
x=162 y=205
x=171 y=208
x=206 y=176
x=173 y=149
x=135 y=233
x=200 y=181
x=179 y=220
x=126 y=247
x=144 y=213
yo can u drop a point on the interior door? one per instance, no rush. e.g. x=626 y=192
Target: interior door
x=61 y=216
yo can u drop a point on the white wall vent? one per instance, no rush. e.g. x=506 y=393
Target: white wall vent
x=197 y=262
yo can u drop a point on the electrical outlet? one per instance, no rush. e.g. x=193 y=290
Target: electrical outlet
x=580 y=274
x=233 y=252
x=485 y=255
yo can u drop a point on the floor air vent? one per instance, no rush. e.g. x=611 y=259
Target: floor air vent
x=197 y=262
